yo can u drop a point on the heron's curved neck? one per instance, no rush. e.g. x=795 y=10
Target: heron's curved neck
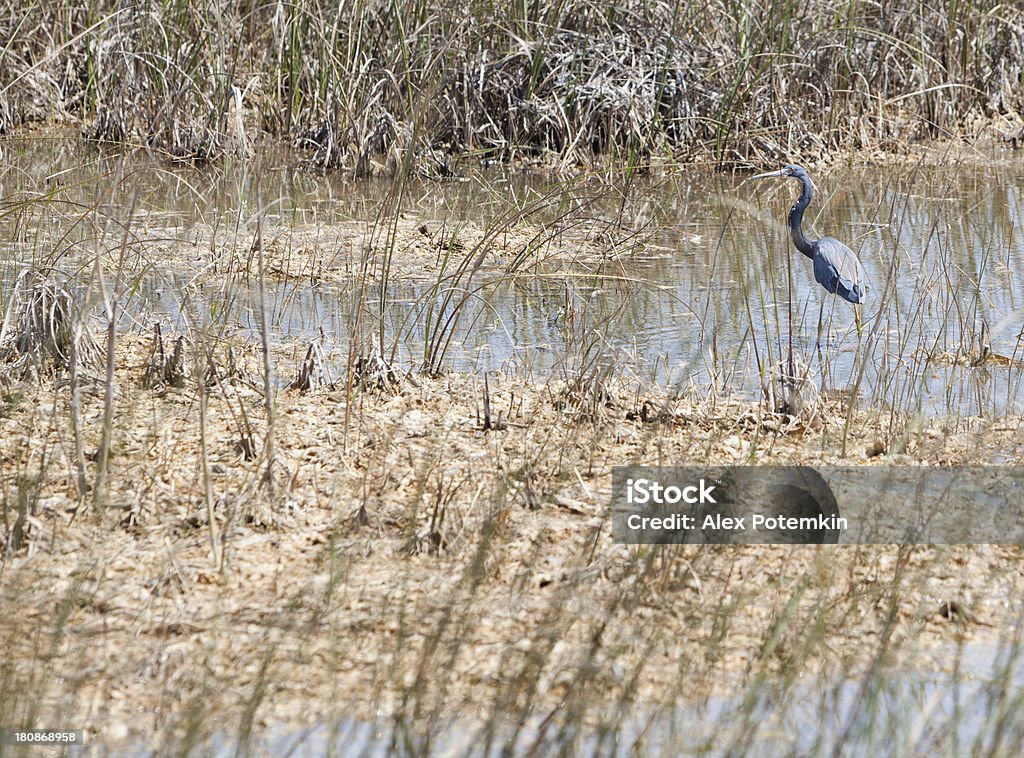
x=796 y=217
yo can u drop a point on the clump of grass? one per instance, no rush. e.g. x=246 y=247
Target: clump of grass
x=372 y=372
x=165 y=367
x=313 y=370
x=40 y=329
x=788 y=390
x=586 y=394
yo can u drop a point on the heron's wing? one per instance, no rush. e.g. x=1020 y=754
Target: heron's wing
x=847 y=275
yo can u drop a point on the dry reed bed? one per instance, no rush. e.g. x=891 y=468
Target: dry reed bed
x=388 y=86
x=388 y=556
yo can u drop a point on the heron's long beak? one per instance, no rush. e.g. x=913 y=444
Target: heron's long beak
x=780 y=172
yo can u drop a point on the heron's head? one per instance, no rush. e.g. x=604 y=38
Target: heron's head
x=792 y=170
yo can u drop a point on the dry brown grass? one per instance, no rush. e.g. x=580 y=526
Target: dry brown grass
x=409 y=562
x=387 y=87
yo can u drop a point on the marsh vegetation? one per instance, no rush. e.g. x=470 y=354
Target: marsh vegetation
x=322 y=329
x=389 y=86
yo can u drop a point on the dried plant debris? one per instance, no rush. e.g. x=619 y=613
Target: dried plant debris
x=171 y=361
x=44 y=328
x=393 y=522
x=313 y=371
x=788 y=390
x=490 y=421
x=166 y=365
x=974 y=351
x=373 y=372
x=592 y=391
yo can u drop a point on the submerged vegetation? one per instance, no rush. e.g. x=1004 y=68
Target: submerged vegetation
x=370 y=86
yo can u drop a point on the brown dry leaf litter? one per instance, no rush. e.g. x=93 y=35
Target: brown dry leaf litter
x=399 y=556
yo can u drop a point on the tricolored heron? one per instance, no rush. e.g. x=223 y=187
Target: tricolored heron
x=836 y=267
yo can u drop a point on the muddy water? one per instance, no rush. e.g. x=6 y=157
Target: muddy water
x=700 y=286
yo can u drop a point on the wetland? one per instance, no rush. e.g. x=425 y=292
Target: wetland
x=323 y=328
x=337 y=455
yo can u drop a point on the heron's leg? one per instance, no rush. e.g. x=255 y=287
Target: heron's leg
x=821 y=357
x=821 y=313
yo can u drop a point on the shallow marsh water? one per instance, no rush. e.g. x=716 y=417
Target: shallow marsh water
x=907 y=711
x=696 y=282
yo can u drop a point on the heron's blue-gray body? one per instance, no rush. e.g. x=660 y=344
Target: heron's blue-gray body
x=836 y=267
